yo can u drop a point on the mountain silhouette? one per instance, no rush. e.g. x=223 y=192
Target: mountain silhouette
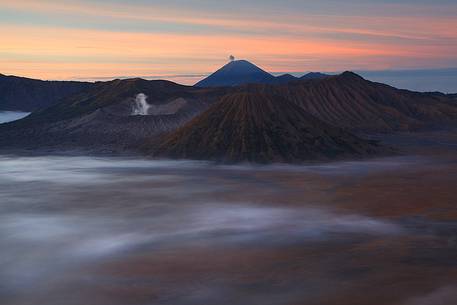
x=26 y=94
x=285 y=78
x=242 y=72
x=236 y=73
x=314 y=75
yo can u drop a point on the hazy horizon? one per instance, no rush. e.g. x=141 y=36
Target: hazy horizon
x=422 y=80
x=87 y=39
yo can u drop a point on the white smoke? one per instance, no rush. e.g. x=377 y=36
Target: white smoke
x=141 y=106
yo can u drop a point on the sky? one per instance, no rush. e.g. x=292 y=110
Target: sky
x=183 y=40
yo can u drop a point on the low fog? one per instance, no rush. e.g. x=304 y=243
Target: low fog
x=63 y=215
x=9 y=116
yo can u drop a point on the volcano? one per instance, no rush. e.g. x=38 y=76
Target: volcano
x=236 y=73
x=243 y=72
x=258 y=127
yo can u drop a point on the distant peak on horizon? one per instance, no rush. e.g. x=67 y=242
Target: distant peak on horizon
x=241 y=72
x=350 y=74
x=240 y=61
x=240 y=65
x=237 y=72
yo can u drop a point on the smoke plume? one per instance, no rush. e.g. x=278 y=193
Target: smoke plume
x=141 y=106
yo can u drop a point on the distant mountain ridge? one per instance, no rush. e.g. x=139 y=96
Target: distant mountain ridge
x=314 y=75
x=241 y=72
x=26 y=94
x=285 y=78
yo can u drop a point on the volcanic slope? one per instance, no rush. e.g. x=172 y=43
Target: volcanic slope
x=351 y=102
x=258 y=127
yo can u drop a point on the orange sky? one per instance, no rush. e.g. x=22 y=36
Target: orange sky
x=91 y=40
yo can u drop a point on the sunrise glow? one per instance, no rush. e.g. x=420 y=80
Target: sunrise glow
x=184 y=40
